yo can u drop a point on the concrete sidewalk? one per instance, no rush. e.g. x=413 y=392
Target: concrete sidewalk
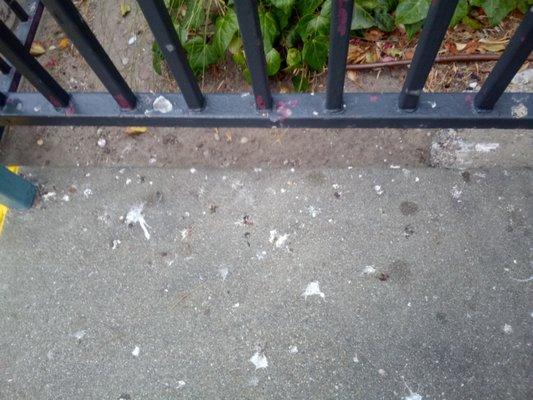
x=268 y=284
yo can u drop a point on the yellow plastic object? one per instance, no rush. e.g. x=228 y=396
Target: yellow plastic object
x=3 y=209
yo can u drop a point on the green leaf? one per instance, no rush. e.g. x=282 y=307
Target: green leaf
x=411 y=11
x=462 y=10
x=326 y=9
x=226 y=27
x=413 y=29
x=361 y=19
x=195 y=15
x=290 y=38
x=306 y=7
x=201 y=54
x=269 y=28
x=273 y=60
x=316 y=25
x=294 y=58
x=384 y=20
x=285 y=4
x=300 y=83
x=239 y=59
x=235 y=45
x=157 y=59
x=315 y=52
x=472 y=23
x=496 y=10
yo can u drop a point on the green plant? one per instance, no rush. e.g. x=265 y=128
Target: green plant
x=295 y=32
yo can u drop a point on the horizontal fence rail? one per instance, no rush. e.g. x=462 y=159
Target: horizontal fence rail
x=120 y=106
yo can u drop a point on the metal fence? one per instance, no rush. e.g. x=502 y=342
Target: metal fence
x=120 y=106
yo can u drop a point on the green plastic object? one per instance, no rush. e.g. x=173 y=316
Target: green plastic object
x=16 y=192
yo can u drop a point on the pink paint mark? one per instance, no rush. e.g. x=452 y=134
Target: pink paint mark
x=123 y=102
x=283 y=110
x=70 y=109
x=260 y=102
x=469 y=100
x=342 y=21
x=55 y=102
x=373 y=98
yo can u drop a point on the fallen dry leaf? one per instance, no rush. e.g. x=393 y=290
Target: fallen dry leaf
x=352 y=76
x=373 y=35
x=136 y=130
x=37 y=49
x=64 y=43
x=125 y=9
x=494 y=46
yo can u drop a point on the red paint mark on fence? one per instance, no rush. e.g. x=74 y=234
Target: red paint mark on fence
x=342 y=18
x=260 y=102
x=373 y=98
x=123 y=102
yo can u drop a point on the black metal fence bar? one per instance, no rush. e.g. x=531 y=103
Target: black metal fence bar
x=435 y=27
x=25 y=64
x=515 y=55
x=341 y=20
x=363 y=110
x=68 y=17
x=248 y=17
x=5 y=68
x=161 y=25
x=18 y=10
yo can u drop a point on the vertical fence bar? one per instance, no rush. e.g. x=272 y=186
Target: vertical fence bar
x=341 y=20
x=161 y=25
x=3 y=99
x=24 y=63
x=5 y=68
x=435 y=27
x=18 y=10
x=68 y=17
x=248 y=17
x=515 y=55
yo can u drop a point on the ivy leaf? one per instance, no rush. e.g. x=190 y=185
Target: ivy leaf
x=269 y=28
x=273 y=60
x=472 y=23
x=195 y=15
x=496 y=10
x=306 y=7
x=282 y=3
x=201 y=54
x=412 y=29
x=316 y=25
x=315 y=52
x=157 y=59
x=226 y=27
x=362 y=19
x=294 y=58
x=285 y=4
x=461 y=11
x=384 y=20
x=411 y=11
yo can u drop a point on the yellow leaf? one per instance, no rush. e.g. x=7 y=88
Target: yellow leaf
x=37 y=49
x=494 y=46
x=136 y=130
x=460 y=46
x=64 y=43
x=125 y=9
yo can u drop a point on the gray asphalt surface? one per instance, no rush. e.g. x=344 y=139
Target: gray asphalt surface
x=420 y=282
